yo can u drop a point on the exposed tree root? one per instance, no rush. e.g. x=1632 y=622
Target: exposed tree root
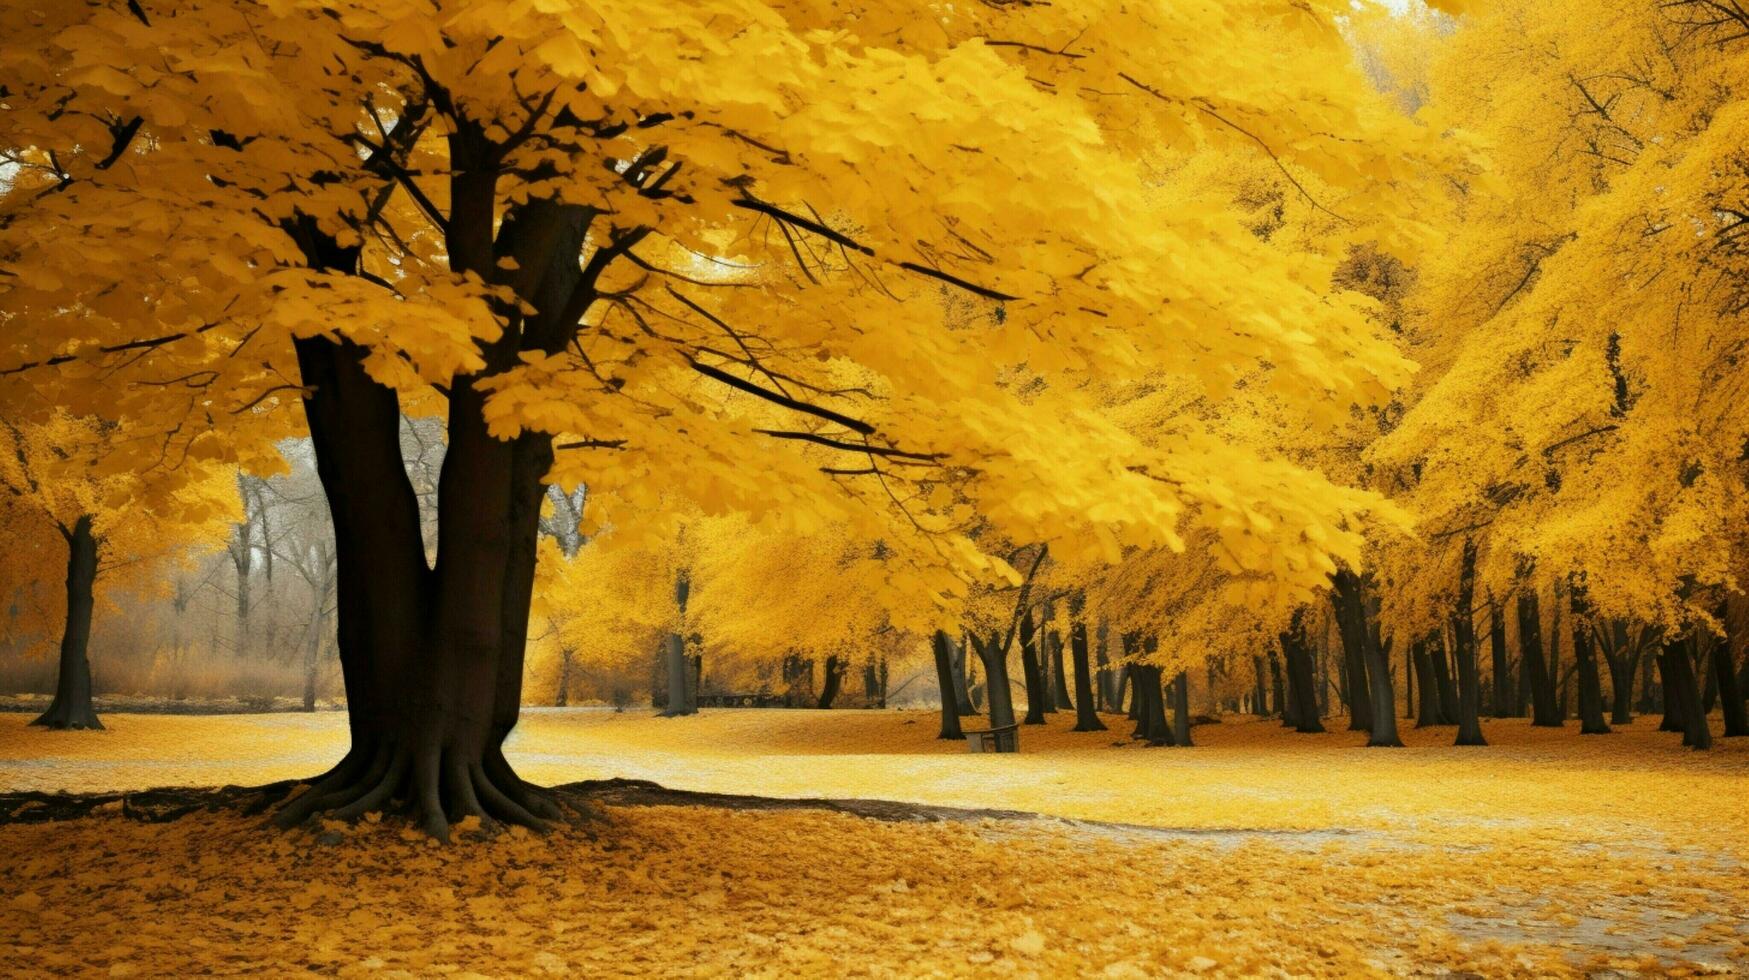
x=437 y=788
x=580 y=803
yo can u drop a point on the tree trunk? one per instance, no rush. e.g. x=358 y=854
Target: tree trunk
x=1296 y=649
x=1181 y=710
x=833 y=681
x=431 y=657
x=1680 y=686
x=1104 y=676
x=996 y=684
x=1383 y=696
x=1442 y=680
x=944 y=671
x=1463 y=634
x=1730 y=690
x=678 y=667
x=1059 y=681
x=562 y=697
x=1505 y=698
x=1260 y=691
x=1668 y=674
x=1349 y=605
x=961 y=691
x=1623 y=659
x=1153 y=727
x=1544 y=713
x=1284 y=705
x=1427 y=712
x=313 y=649
x=1086 y=717
x=71 y=706
x=1585 y=659
x=1709 y=693
x=1031 y=673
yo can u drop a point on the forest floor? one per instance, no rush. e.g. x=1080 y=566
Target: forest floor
x=1260 y=852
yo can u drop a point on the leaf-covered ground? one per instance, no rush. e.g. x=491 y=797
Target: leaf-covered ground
x=1258 y=852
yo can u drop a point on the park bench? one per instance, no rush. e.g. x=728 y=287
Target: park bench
x=1004 y=739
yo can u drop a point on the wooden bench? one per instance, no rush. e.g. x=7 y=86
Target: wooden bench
x=1004 y=739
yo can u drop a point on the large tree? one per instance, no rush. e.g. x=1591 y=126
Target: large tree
x=782 y=256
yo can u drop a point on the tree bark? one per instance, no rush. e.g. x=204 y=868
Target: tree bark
x=1059 y=680
x=71 y=706
x=1505 y=698
x=1086 y=716
x=1463 y=632
x=962 y=692
x=1585 y=659
x=996 y=684
x=1031 y=674
x=1104 y=676
x=1730 y=692
x=1296 y=649
x=1349 y=605
x=1544 y=712
x=431 y=656
x=1668 y=675
x=1383 y=733
x=833 y=681
x=1259 y=691
x=1152 y=727
x=1442 y=680
x=944 y=671
x=1181 y=710
x=1427 y=713
x=1623 y=657
x=1284 y=705
x=1680 y=688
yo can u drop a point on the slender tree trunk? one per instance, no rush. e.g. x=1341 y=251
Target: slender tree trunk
x=1427 y=713
x=1059 y=680
x=1623 y=662
x=1725 y=677
x=1463 y=633
x=678 y=703
x=1349 y=606
x=318 y=631
x=1031 y=673
x=944 y=671
x=1585 y=659
x=996 y=684
x=1284 y=705
x=1384 y=696
x=1296 y=649
x=1557 y=677
x=1086 y=718
x=1259 y=691
x=961 y=690
x=1544 y=713
x=1104 y=676
x=1709 y=693
x=1412 y=654
x=1669 y=675
x=1181 y=710
x=1442 y=680
x=1505 y=699
x=833 y=681
x=71 y=705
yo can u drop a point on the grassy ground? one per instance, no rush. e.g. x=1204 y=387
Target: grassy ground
x=1257 y=852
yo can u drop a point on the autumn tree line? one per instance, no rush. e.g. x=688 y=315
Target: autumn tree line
x=846 y=336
